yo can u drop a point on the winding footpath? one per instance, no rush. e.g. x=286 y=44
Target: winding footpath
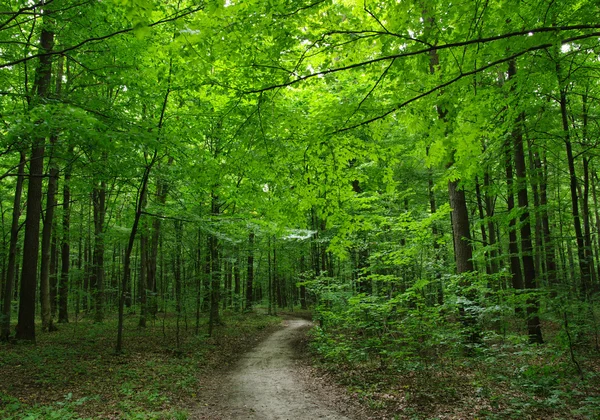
x=265 y=386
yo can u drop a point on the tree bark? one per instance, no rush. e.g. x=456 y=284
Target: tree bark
x=128 y=250
x=63 y=289
x=489 y=211
x=26 y=323
x=462 y=235
x=583 y=263
x=215 y=274
x=12 y=252
x=529 y=279
x=46 y=310
x=513 y=248
x=250 y=272
x=99 y=204
x=237 y=281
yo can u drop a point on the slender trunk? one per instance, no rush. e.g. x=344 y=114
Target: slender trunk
x=529 y=279
x=215 y=275
x=303 y=304
x=435 y=234
x=585 y=207
x=45 y=301
x=237 y=281
x=143 y=280
x=161 y=197
x=484 y=237
x=53 y=273
x=269 y=279
x=513 y=248
x=535 y=181
x=198 y=279
x=277 y=284
x=489 y=211
x=250 y=272
x=12 y=252
x=587 y=230
x=63 y=290
x=583 y=263
x=128 y=250
x=99 y=205
x=26 y=323
x=178 y=225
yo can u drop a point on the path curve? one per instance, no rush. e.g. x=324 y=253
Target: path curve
x=264 y=384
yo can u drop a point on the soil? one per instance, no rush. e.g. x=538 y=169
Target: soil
x=274 y=382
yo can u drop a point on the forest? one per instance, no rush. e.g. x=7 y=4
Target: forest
x=417 y=177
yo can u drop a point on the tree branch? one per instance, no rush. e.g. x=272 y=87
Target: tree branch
x=100 y=38
x=460 y=76
x=434 y=48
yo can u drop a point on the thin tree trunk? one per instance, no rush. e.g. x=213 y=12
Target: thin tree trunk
x=128 y=250
x=53 y=273
x=63 y=290
x=303 y=303
x=489 y=211
x=529 y=279
x=583 y=263
x=143 y=280
x=250 y=272
x=12 y=252
x=237 y=281
x=513 y=248
x=484 y=237
x=215 y=275
x=45 y=301
x=99 y=205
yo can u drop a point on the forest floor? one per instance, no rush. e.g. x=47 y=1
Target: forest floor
x=74 y=373
x=259 y=367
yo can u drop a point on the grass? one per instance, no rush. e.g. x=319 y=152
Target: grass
x=75 y=373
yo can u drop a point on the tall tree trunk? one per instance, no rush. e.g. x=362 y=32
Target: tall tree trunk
x=45 y=296
x=128 y=250
x=63 y=289
x=250 y=272
x=585 y=207
x=303 y=304
x=143 y=280
x=269 y=279
x=484 y=237
x=12 y=252
x=596 y=213
x=26 y=323
x=535 y=180
x=513 y=248
x=215 y=274
x=587 y=230
x=460 y=222
x=53 y=273
x=99 y=205
x=489 y=212
x=583 y=263
x=533 y=321
x=549 y=249
x=435 y=236
x=237 y=281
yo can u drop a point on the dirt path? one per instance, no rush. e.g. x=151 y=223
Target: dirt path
x=265 y=385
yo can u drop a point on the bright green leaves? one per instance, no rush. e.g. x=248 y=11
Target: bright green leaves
x=139 y=12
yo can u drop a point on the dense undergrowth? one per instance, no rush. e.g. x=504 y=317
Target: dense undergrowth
x=74 y=373
x=409 y=359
